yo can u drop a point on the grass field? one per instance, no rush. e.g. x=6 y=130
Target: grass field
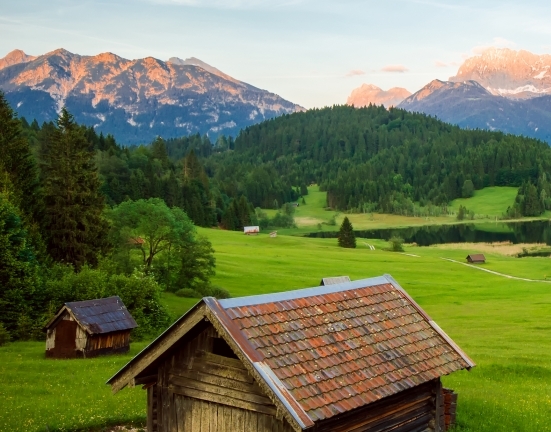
x=503 y=324
x=487 y=204
x=490 y=201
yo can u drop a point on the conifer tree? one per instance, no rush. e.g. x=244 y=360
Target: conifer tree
x=19 y=163
x=346 y=237
x=75 y=226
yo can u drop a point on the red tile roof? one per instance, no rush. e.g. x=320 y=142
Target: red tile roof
x=336 y=348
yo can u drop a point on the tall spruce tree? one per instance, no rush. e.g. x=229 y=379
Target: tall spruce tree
x=75 y=226
x=19 y=163
x=346 y=237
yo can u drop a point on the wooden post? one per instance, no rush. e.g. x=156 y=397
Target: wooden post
x=439 y=425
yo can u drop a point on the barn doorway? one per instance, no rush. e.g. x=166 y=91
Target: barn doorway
x=65 y=339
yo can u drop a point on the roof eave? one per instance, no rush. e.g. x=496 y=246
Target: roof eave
x=432 y=323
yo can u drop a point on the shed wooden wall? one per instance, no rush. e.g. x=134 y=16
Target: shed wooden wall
x=413 y=410
x=67 y=339
x=199 y=391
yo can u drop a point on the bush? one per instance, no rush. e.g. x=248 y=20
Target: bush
x=396 y=244
x=4 y=335
x=219 y=292
x=188 y=292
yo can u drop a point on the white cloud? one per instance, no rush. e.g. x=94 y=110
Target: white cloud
x=497 y=42
x=395 y=68
x=440 y=64
x=355 y=72
x=228 y=4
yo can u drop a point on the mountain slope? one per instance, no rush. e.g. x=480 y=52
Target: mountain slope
x=136 y=100
x=469 y=105
x=371 y=94
x=509 y=73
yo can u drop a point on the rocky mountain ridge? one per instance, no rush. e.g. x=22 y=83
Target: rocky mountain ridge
x=136 y=100
x=371 y=94
x=509 y=73
x=469 y=105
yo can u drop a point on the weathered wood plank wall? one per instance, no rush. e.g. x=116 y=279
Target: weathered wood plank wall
x=199 y=391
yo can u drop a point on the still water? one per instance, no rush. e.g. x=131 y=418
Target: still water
x=515 y=232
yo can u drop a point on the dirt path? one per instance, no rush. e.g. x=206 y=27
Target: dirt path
x=497 y=273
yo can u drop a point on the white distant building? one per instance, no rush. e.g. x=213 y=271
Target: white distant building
x=251 y=230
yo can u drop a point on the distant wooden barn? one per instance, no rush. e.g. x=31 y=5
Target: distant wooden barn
x=334 y=280
x=356 y=356
x=251 y=230
x=476 y=258
x=273 y=234
x=89 y=328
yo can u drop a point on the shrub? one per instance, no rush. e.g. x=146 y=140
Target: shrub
x=188 y=292
x=4 y=335
x=219 y=292
x=396 y=244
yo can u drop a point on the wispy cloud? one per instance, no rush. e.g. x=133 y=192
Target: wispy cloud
x=395 y=68
x=440 y=64
x=355 y=72
x=228 y=4
x=497 y=42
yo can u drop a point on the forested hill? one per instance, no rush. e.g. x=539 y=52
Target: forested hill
x=389 y=160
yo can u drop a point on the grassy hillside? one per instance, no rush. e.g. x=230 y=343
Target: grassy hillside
x=502 y=324
x=487 y=204
x=490 y=201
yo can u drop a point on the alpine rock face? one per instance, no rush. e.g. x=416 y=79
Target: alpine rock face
x=371 y=94
x=135 y=100
x=509 y=73
x=469 y=105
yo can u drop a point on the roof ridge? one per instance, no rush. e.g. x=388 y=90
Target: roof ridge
x=301 y=293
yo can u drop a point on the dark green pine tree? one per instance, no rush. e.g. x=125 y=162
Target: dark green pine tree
x=347 y=238
x=19 y=163
x=531 y=205
x=75 y=226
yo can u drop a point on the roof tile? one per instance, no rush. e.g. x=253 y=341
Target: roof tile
x=336 y=351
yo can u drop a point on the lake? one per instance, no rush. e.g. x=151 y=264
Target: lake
x=514 y=232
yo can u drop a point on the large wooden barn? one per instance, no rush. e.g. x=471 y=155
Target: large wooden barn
x=356 y=356
x=89 y=328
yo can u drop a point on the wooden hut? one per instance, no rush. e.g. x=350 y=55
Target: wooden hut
x=359 y=356
x=89 y=328
x=334 y=280
x=476 y=258
x=273 y=234
x=251 y=230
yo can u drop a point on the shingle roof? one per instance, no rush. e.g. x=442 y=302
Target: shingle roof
x=330 y=349
x=343 y=346
x=101 y=315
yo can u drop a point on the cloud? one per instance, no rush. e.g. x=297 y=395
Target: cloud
x=497 y=42
x=228 y=4
x=395 y=68
x=440 y=64
x=355 y=72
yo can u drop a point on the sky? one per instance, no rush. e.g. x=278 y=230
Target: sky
x=311 y=52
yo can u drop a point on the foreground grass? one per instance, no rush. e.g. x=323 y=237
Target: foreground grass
x=63 y=395
x=504 y=325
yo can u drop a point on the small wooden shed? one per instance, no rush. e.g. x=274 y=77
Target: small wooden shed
x=251 y=230
x=357 y=356
x=89 y=328
x=476 y=258
x=334 y=280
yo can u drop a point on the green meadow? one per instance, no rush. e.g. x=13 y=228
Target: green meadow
x=488 y=202
x=503 y=324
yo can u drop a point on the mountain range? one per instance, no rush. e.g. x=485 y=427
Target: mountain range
x=371 y=94
x=135 y=100
x=501 y=89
